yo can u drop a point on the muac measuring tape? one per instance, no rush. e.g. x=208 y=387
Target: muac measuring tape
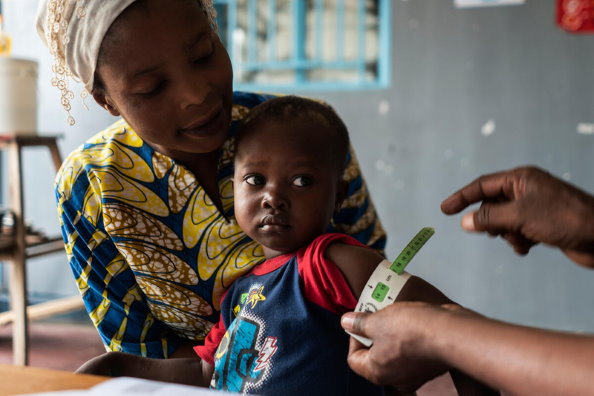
x=388 y=279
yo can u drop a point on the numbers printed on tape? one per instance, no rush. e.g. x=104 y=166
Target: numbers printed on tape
x=380 y=292
x=411 y=249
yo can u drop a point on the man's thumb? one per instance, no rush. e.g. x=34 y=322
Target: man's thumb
x=354 y=322
x=468 y=222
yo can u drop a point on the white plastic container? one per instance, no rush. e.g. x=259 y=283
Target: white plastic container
x=18 y=96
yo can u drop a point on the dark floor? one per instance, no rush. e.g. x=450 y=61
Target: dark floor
x=63 y=342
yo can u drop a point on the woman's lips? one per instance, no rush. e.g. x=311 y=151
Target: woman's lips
x=207 y=124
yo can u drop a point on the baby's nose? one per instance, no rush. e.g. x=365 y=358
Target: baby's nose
x=274 y=200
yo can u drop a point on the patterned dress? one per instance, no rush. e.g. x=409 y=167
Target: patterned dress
x=150 y=252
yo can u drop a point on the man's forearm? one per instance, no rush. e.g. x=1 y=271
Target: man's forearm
x=515 y=359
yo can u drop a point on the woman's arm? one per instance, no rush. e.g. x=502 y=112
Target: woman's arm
x=108 y=287
x=189 y=371
x=515 y=359
x=357 y=216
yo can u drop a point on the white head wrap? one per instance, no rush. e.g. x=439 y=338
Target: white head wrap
x=73 y=30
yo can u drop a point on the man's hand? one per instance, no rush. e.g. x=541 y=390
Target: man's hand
x=527 y=206
x=397 y=357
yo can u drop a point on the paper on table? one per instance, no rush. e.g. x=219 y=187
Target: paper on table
x=126 y=386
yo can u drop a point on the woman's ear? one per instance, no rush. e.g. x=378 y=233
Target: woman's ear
x=105 y=101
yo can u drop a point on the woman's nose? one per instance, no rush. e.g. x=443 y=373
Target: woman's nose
x=193 y=91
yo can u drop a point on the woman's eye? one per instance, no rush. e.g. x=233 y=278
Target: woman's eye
x=154 y=90
x=302 y=181
x=204 y=53
x=254 y=180
x=200 y=59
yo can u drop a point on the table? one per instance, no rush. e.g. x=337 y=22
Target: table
x=16 y=380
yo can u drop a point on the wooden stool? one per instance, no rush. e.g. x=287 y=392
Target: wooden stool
x=19 y=250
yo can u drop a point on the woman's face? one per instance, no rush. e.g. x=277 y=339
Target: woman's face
x=166 y=72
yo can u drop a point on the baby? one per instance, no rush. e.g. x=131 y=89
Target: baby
x=279 y=331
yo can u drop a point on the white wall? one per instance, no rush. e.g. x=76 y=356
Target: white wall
x=50 y=274
x=418 y=141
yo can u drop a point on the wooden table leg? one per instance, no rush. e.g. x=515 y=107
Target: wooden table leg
x=18 y=270
x=56 y=157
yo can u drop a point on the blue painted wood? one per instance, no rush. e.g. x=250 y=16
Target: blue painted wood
x=300 y=62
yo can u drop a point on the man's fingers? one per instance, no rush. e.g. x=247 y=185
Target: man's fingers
x=497 y=218
x=358 y=358
x=520 y=244
x=354 y=322
x=355 y=345
x=485 y=187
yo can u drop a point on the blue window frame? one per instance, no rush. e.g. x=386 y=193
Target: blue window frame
x=278 y=45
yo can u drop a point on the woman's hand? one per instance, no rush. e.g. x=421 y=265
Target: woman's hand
x=527 y=206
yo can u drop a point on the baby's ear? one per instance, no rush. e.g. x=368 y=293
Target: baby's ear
x=341 y=193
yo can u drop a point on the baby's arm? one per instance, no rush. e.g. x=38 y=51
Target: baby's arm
x=189 y=371
x=358 y=263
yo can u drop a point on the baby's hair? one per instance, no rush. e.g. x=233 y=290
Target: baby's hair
x=287 y=109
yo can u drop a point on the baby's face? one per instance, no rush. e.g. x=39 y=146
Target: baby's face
x=286 y=186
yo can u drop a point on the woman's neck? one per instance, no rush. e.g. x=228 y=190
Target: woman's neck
x=205 y=168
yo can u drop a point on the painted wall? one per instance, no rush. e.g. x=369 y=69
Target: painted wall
x=473 y=91
x=49 y=275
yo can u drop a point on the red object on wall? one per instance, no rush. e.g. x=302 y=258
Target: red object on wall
x=576 y=16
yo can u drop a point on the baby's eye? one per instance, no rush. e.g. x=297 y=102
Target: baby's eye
x=302 y=181
x=254 y=180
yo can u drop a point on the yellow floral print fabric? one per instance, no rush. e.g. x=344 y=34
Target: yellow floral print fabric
x=150 y=252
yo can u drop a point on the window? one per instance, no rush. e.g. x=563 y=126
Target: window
x=306 y=44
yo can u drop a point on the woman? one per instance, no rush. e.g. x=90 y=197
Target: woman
x=146 y=206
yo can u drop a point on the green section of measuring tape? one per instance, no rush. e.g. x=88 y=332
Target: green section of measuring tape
x=411 y=249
